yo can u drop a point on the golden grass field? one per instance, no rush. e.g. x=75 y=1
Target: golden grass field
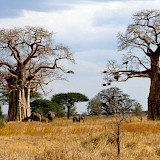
x=91 y=140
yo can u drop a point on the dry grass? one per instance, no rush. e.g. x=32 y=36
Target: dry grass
x=91 y=140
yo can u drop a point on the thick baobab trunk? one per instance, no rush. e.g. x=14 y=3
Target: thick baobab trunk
x=19 y=104
x=154 y=95
x=154 y=100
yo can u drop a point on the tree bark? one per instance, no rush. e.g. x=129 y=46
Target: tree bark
x=19 y=104
x=154 y=95
x=68 y=113
x=154 y=100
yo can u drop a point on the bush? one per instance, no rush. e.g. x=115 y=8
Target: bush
x=2 y=123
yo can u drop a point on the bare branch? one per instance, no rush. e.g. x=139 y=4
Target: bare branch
x=6 y=64
x=140 y=62
x=34 y=58
x=13 y=49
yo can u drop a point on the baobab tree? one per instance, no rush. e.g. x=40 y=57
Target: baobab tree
x=142 y=38
x=29 y=58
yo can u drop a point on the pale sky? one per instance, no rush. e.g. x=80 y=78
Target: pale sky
x=89 y=28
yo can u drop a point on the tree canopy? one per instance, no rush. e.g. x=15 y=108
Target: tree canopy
x=44 y=106
x=142 y=39
x=68 y=99
x=115 y=101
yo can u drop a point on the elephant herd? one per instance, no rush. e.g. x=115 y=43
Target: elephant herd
x=37 y=117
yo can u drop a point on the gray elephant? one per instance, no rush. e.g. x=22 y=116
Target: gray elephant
x=50 y=117
x=78 y=118
x=35 y=116
x=44 y=119
x=82 y=118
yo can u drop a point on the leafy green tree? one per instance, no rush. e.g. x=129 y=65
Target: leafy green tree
x=43 y=106
x=94 y=107
x=68 y=100
x=142 y=40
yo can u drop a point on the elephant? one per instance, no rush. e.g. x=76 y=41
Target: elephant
x=51 y=117
x=78 y=118
x=35 y=116
x=44 y=119
x=82 y=118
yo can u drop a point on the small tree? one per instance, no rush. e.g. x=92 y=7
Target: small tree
x=94 y=107
x=116 y=103
x=68 y=100
x=138 y=110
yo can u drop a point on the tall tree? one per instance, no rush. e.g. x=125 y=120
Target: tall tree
x=142 y=36
x=68 y=99
x=29 y=58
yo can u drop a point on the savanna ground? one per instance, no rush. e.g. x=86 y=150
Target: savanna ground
x=92 y=140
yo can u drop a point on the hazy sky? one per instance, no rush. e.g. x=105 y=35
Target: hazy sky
x=89 y=28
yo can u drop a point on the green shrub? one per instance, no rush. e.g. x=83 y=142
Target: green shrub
x=2 y=123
